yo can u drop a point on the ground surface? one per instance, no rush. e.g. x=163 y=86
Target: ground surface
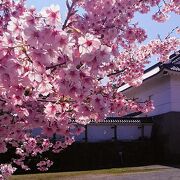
x=155 y=172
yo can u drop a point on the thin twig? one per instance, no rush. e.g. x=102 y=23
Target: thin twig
x=54 y=66
x=70 y=13
x=171 y=32
x=113 y=73
x=25 y=52
x=159 y=37
x=56 y=101
x=2 y=100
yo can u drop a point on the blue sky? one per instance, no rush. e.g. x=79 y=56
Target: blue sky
x=145 y=21
x=39 y=4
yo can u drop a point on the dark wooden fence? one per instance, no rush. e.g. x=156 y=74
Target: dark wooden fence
x=86 y=156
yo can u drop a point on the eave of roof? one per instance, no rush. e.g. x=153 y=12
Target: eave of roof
x=157 y=68
x=172 y=67
x=127 y=120
x=121 y=120
x=149 y=74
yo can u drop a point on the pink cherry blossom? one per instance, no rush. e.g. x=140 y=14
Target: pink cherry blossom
x=88 y=44
x=14 y=26
x=52 y=14
x=6 y=170
x=44 y=165
x=54 y=70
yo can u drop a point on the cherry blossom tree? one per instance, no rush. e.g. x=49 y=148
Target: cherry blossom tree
x=52 y=71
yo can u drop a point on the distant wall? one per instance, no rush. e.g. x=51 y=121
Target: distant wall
x=175 y=93
x=128 y=132
x=100 y=132
x=97 y=133
x=160 y=89
x=109 y=132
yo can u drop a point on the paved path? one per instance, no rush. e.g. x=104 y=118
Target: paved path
x=168 y=173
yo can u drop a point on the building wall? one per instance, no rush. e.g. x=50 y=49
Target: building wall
x=175 y=93
x=97 y=133
x=128 y=132
x=159 y=88
x=165 y=92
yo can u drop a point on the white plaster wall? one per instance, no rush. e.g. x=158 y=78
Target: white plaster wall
x=128 y=132
x=175 y=93
x=99 y=133
x=158 y=88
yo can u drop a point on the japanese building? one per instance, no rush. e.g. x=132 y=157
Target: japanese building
x=161 y=82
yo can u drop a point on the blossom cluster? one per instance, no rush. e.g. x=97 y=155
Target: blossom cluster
x=51 y=71
x=6 y=171
x=44 y=165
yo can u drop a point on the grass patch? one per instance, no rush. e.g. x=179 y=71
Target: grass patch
x=61 y=175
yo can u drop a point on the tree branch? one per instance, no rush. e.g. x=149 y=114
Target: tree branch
x=56 y=101
x=54 y=66
x=113 y=73
x=2 y=100
x=70 y=13
x=171 y=32
x=25 y=52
